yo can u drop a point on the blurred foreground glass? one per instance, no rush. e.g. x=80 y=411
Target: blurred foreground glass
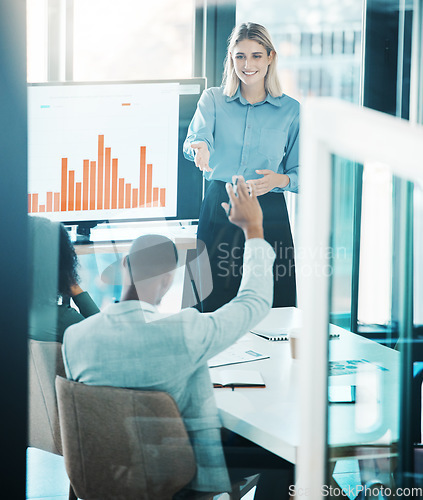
x=366 y=455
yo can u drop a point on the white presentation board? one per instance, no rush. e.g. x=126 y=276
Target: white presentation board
x=103 y=152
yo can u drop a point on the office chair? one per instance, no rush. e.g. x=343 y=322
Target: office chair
x=44 y=363
x=123 y=443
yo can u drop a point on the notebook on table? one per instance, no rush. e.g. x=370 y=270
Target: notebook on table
x=236 y=378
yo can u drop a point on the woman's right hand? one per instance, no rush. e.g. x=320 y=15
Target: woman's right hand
x=202 y=156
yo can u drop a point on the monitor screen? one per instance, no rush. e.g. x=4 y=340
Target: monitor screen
x=112 y=151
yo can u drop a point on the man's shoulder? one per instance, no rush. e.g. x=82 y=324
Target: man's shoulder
x=85 y=324
x=130 y=315
x=96 y=321
x=184 y=318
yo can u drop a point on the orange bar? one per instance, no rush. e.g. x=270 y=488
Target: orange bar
x=100 y=172
x=29 y=203
x=34 y=203
x=121 y=202
x=128 y=191
x=63 y=197
x=142 y=176
x=149 y=194
x=135 y=198
x=71 y=190
x=155 y=197
x=126 y=104
x=49 y=207
x=42 y=208
x=92 y=185
x=162 y=197
x=78 y=189
x=114 y=182
x=56 y=198
x=107 y=178
x=85 y=184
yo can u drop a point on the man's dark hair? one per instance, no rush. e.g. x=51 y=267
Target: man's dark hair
x=152 y=255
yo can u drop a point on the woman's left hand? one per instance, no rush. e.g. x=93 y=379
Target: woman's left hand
x=269 y=181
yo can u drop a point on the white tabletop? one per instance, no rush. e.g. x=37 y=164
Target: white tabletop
x=112 y=238
x=269 y=416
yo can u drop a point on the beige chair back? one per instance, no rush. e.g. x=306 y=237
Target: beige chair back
x=45 y=362
x=123 y=443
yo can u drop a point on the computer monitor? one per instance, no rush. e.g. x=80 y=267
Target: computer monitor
x=112 y=151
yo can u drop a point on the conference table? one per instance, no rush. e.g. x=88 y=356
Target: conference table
x=269 y=416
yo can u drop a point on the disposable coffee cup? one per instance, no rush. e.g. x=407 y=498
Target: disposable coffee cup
x=293 y=342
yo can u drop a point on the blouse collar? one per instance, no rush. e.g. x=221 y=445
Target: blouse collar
x=275 y=101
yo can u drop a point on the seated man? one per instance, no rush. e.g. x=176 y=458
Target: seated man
x=131 y=344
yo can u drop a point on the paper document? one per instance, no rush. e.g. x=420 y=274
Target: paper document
x=235 y=354
x=351 y=366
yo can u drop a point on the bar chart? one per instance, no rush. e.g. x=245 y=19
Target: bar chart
x=101 y=187
x=103 y=152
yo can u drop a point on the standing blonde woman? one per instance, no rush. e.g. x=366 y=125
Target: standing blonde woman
x=246 y=127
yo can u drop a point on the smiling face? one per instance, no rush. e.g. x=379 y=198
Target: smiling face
x=251 y=62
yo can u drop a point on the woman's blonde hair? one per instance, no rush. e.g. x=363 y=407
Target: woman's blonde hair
x=258 y=33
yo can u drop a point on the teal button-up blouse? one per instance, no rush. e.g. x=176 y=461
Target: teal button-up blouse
x=244 y=137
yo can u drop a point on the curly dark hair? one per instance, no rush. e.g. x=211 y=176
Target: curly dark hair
x=68 y=263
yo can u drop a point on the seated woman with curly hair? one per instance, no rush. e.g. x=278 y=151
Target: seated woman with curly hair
x=54 y=281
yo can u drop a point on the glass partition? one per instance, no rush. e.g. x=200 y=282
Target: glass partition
x=364 y=376
x=374 y=389
x=53 y=281
x=345 y=199
x=366 y=399
x=376 y=247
